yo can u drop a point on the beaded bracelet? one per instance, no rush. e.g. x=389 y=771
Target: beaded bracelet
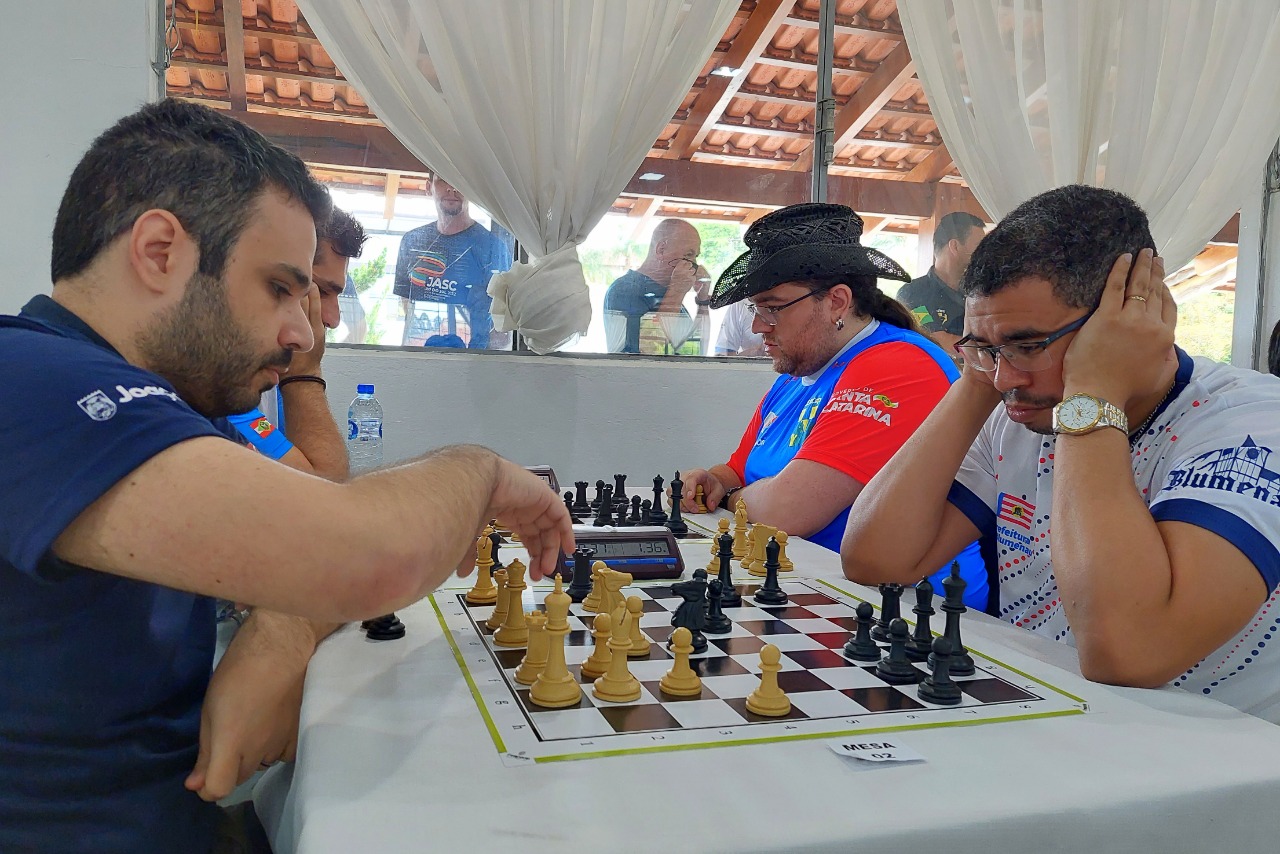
x=304 y=378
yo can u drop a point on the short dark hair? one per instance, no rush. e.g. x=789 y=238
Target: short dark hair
x=202 y=166
x=954 y=226
x=344 y=233
x=1070 y=236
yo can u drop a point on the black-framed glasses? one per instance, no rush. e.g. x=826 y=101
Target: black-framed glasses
x=769 y=313
x=1021 y=355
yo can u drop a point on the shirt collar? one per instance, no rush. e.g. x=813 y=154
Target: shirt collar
x=866 y=330
x=43 y=309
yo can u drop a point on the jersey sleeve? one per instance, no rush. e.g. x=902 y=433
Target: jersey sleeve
x=738 y=462
x=1225 y=485
x=260 y=434
x=884 y=394
x=95 y=419
x=974 y=490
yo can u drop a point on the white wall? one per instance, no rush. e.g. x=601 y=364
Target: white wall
x=72 y=68
x=587 y=417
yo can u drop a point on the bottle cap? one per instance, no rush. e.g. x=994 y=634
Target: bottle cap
x=364 y=389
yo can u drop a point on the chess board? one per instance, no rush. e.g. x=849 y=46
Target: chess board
x=830 y=694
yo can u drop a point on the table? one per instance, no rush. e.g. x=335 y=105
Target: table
x=393 y=755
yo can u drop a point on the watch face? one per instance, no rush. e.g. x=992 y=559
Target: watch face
x=1078 y=412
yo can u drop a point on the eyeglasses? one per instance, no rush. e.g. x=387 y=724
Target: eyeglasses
x=1020 y=355
x=769 y=313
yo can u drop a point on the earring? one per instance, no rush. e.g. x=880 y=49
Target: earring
x=839 y=323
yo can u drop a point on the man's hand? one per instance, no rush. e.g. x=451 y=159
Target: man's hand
x=308 y=363
x=712 y=489
x=524 y=503
x=1122 y=352
x=250 y=715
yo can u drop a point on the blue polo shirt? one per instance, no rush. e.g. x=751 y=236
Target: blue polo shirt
x=103 y=676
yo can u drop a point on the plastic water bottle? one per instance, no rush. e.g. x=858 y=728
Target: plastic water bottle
x=364 y=431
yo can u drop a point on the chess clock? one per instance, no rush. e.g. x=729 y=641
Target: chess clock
x=547 y=475
x=646 y=553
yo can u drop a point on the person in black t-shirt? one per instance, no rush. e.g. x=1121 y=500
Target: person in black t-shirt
x=934 y=298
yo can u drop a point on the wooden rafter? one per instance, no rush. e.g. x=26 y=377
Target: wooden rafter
x=233 y=33
x=853 y=25
x=876 y=91
x=750 y=43
x=932 y=168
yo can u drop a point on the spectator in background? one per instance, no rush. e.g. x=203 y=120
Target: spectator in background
x=643 y=308
x=443 y=272
x=934 y=298
x=736 y=337
x=1273 y=351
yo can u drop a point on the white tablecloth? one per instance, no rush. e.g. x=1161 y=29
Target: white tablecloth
x=394 y=756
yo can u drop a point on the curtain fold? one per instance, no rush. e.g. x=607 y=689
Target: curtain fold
x=539 y=111
x=1172 y=102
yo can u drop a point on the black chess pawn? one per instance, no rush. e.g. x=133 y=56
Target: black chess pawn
x=771 y=593
x=895 y=668
x=580 y=585
x=729 y=595
x=619 y=486
x=568 y=505
x=922 y=638
x=386 y=627
x=657 y=515
x=861 y=647
x=604 y=513
x=595 y=502
x=890 y=610
x=953 y=607
x=620 y=519
x=646 y=512
x=635 y=518
x=497 y=541
x=717 y=622
x=581 y=507
x=937 y=687
x=675 y=522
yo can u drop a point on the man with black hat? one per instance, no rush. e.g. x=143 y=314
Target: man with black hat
x=857 y=378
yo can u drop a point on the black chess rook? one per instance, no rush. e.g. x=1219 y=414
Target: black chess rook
x=580 y=585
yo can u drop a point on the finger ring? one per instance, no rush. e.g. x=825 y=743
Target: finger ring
x=1138 y=298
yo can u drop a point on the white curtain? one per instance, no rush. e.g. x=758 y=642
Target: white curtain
x=540 y=111
x=1172 y=102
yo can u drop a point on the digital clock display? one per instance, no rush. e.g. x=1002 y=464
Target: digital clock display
x=606 y=549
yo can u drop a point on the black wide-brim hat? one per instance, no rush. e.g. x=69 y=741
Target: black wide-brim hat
x=799 y=243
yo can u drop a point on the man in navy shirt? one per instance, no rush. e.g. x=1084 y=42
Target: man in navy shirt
x=182 y=253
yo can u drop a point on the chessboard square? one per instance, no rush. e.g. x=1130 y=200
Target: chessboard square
x=522 y=694
x=717 y=665
x=883 y=699
x=814 y=626
x=740 y=706
x=648 y=621
x=747 y=612
x=849 y=624
x=648 y=671
x=657 y=652
x=555 y=724
x=799 y=681
x=655 y=688
x=832 y=640
x=813 y=659
x=658 y=591
x=705 y=714
x=656 y=607
x=994 y=691
x=646 y=717
x=767 y=627
x=824 y=704
x=848 y=676
x=737 y=646
x=579 y=637
x=789 y=643
x=808 y=600
x=830 y=611
x=790 y=613
x=658 y=634
x=752 y=663
x=645 y=698
x=509 y=659
x=736 y=685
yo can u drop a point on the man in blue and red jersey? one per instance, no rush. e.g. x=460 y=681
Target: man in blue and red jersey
x=857 y=379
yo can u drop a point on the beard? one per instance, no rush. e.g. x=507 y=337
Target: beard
x=207 y=356
x=810 y=350
x=451 y=207
x=1015 y=397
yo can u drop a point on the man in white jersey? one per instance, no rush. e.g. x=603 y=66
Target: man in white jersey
x=1130 y=487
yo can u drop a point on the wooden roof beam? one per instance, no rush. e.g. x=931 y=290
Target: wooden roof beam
x=932 y=168
x=750 y=42
x=876 y=91
x=233 y=34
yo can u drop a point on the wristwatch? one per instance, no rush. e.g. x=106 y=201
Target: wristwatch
x=1084 y=413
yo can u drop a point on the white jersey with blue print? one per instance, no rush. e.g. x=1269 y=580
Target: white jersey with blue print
x=1209 y=458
